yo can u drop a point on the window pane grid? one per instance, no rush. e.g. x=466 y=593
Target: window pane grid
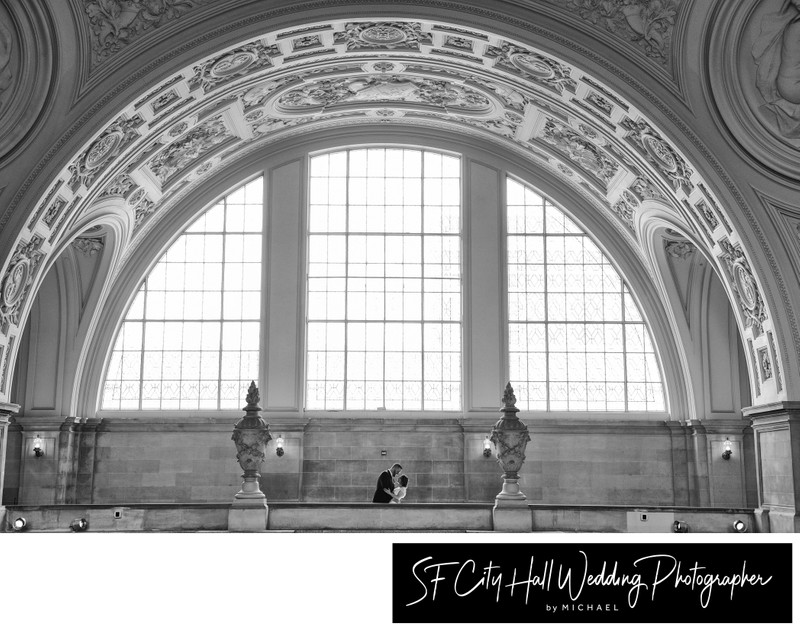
x=190 y=339
x=384 y=281
x=577 y=340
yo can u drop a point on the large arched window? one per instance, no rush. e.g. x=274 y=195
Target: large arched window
x=190 y=339
x=577 y=340
x=384 y=281
x=383 y=300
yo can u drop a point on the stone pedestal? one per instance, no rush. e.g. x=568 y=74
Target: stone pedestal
x=776 y=434
x=512 y=517
x=243 y=517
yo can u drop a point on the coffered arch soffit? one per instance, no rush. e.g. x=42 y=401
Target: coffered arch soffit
x=400 y=72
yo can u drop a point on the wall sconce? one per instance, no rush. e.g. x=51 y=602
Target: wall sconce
x=79 y=525
x=38 y=446
x=20 y=523
x=487 y=447
x=279 y=446
x=739 y=526
x=727 y=449
x=680 y=526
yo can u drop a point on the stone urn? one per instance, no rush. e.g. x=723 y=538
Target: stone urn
x=251 y=436
x=510 y=437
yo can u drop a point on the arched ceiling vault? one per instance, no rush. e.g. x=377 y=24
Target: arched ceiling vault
x=398 y=72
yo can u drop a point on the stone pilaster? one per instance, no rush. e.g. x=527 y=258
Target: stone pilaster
x=776 y=441
x=7 y=410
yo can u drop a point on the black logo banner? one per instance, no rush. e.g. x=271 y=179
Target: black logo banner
x=603 y=583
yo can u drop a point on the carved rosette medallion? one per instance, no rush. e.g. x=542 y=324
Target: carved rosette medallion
x=659 y=154
x=115 y=139
x=532 y=65
x=382 y=36
x=510 y=437
x=745 y=287
x=237 y=63
x=17 y=281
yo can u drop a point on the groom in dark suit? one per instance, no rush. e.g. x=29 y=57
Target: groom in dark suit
x=384 y=491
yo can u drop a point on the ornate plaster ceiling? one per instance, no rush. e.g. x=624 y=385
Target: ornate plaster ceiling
x=400 y=72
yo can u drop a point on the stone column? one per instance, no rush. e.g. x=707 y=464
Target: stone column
x=248 y=513
x=776 y=437
x=510 y=438
x=699 y=494
x=7 y=410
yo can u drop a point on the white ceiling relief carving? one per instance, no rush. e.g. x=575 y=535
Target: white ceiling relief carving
x=419 y=73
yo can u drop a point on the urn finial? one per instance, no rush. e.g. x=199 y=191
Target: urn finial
x=253 y=396
x=509 y=400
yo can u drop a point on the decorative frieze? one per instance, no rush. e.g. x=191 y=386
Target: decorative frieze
x=88 y=246
x=189 y=148
x=53 y=211
x=659 y=153
x=459 y=43
x=580 y=150
x=6 y=364
x=645 y=189
x=115 y=24
x=679 y=249
x=534 y=66
x=625 y=211
x=307 y=41
x=17 y=281
x=647 y=24
x=359 y=36
x=600 y=103
x=164 y=100
x=381 y=89
x=744 y=286
x=119 y=187
x=232 y=65
x=7 y=65
x=102 y=151
x=764 y=364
